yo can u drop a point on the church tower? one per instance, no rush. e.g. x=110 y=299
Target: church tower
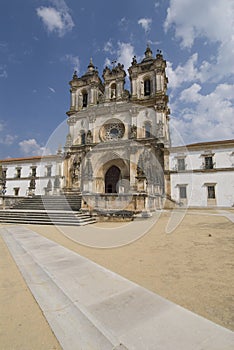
x=149 y=88
x=86 y=90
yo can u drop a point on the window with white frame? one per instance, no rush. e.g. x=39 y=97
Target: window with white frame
x=16 y=191
x=181 y=164
x=34 y=171
x=211 y=191
x=183 y=191
x=18 y=172
x=208 y=162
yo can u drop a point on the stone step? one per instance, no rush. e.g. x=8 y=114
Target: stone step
x=47 y=222
x=43 y=217
x=58 y=213
x=61 y=202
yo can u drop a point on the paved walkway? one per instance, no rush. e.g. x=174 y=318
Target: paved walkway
x=89 y=307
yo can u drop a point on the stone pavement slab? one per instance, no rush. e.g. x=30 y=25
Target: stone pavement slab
x=89 y=307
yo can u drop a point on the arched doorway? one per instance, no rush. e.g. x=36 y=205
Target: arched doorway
x=112 y=178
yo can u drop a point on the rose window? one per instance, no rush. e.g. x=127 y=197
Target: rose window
x=112 y=131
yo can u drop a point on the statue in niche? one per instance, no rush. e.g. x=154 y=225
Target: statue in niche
x=133 y=131
x=75 y=170
x=89 y=137
x=113 y=93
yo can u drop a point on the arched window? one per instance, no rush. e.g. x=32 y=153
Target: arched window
x=83 y=137
x=147 y=87
x=147 y=130
x=85 y=99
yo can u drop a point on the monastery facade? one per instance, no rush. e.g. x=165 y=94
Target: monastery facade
x=118 y=154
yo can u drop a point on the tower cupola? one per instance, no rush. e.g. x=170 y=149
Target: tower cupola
x=85 y=90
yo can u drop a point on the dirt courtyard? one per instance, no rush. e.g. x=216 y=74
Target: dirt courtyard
x=192 y=266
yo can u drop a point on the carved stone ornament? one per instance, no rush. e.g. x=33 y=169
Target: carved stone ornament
x=68 y=140
x=112 y=131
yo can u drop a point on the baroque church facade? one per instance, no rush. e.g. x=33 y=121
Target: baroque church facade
x=117 y=142
x=118 y=154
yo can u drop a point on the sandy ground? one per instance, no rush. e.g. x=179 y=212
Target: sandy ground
x=191 y=266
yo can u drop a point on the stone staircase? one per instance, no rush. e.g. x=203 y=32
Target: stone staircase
x=47 y=210
x=62 y=202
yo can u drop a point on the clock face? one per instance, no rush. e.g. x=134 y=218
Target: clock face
x=112 y=131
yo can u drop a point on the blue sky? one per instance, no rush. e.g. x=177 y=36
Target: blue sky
x=43 y=41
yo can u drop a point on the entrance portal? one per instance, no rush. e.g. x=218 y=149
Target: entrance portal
x=112 y=178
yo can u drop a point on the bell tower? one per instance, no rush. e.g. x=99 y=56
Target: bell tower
x=148 y=79
x=149 y=88
x=85 y=91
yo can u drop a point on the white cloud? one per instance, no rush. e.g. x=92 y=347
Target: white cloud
x=108 y=47
x=156 y=4
x=3 y=72
x=73 y=60
x=56 y=19
x=191 y=94
x=107 y=62
x=211 y=20
x=51 y=89
x=145 y=23
x=6 y=139
x=183 y=73
x=31 y=147
x=123 y=23
x=204 y=117
x=9 y=139
x=125 y=53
